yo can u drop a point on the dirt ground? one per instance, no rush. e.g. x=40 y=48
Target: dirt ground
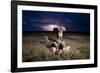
x=34 y=48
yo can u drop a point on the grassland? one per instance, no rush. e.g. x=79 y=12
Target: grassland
x=34 y=48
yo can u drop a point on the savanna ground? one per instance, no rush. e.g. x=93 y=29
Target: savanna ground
x=34 y=48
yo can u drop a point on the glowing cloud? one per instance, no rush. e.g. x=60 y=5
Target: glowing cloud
x=50 y=27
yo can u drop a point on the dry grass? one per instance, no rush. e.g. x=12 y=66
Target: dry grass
x=34 y=48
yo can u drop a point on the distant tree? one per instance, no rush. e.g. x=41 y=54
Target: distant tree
x=55 y=30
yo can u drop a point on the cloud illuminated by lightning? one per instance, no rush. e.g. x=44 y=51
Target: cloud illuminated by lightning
x=50 y=27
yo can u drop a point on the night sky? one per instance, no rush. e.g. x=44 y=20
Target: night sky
x=47 y=21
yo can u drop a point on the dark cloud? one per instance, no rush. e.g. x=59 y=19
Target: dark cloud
x=75 y=22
